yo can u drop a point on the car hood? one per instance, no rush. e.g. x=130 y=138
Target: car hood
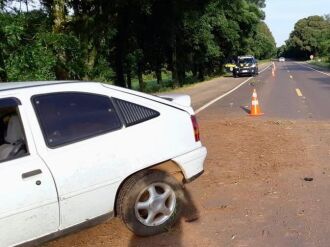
x=244 y=65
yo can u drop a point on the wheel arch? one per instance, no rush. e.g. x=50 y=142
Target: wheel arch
x=169 y=166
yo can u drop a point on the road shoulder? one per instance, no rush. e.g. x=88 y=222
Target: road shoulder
x=204 y=92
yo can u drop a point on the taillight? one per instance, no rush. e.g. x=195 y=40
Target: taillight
x=196 y=128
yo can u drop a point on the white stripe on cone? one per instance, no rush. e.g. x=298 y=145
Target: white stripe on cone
x=255 y=102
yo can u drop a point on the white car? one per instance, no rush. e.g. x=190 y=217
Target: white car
x=281 y=59
x=75 y=152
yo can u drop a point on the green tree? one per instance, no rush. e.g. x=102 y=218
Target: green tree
x=30 y=50
x=310 y=37
x=262 y=44
x=259 y=3
x=118 y=40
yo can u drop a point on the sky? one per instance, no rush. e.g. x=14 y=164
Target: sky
x=281 y=15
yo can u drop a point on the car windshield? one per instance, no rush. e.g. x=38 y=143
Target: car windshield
x=245 y=60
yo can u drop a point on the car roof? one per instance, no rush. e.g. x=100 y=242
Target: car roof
x=26 y=84
x=8 y=86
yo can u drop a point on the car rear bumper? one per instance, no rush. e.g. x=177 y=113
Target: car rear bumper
x=192 y=163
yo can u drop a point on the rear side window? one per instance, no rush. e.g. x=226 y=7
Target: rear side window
x=133 y=113
x=69 y=117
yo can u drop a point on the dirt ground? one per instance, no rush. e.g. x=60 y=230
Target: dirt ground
x=252 y=193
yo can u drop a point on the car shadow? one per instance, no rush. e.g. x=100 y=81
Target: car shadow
x=245 y=109
x=173 y=237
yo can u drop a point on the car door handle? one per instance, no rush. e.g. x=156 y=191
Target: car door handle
x=31 y=173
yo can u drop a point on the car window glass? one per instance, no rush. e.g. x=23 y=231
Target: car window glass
x=69 y=117
x=12 y=136
x=246 y=60
x=134 y=114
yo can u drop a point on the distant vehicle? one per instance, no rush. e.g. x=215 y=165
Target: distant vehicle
x=246 y=65
x=281 y=59
x=76 y=152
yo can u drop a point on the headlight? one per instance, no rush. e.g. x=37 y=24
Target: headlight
x=253 y=66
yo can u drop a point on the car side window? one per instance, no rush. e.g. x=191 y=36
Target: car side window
x=12 y=137
x=69 y=117
x=134 y=114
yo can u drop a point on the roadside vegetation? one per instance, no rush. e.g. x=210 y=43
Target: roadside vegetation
x=149 y=45
x=311 y=36
x=321 y=62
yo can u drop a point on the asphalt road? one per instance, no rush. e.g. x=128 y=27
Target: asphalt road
x=296 y=92
x=202 y=93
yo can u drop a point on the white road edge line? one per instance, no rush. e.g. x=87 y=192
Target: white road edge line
x=224 y=95
x=313 y=69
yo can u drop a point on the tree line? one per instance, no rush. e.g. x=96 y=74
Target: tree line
x=122 y=40
x=311 y=36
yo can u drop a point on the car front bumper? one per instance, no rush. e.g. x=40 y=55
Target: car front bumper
x=192 y=163
x=246 y=71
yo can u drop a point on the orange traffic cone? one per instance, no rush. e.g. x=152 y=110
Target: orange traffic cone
x=255 y=108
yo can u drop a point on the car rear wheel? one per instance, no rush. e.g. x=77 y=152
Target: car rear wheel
x=150 y=202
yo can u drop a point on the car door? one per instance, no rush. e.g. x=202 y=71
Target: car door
x=81 y=132
x=29 y=204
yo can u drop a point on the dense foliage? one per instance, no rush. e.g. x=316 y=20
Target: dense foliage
x=122 y=40
x=311 y=36
x=262 y=45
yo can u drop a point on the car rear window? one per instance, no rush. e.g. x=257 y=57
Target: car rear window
x=69 y=117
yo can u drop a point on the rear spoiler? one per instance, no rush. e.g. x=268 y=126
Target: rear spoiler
x=180 y=99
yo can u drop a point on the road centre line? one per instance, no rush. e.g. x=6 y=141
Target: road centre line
x=313 y=69
x=299 y=92
x=229 y=92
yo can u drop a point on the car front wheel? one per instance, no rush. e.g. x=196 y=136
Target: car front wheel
x=150 y=202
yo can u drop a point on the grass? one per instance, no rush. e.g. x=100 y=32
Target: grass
x=151 y=82
x=321 y=62
x=151 y=85
x=264 y=61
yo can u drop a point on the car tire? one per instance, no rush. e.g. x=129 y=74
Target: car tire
x=150 y=202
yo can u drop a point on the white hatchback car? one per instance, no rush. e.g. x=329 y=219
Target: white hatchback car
x=75 y=152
